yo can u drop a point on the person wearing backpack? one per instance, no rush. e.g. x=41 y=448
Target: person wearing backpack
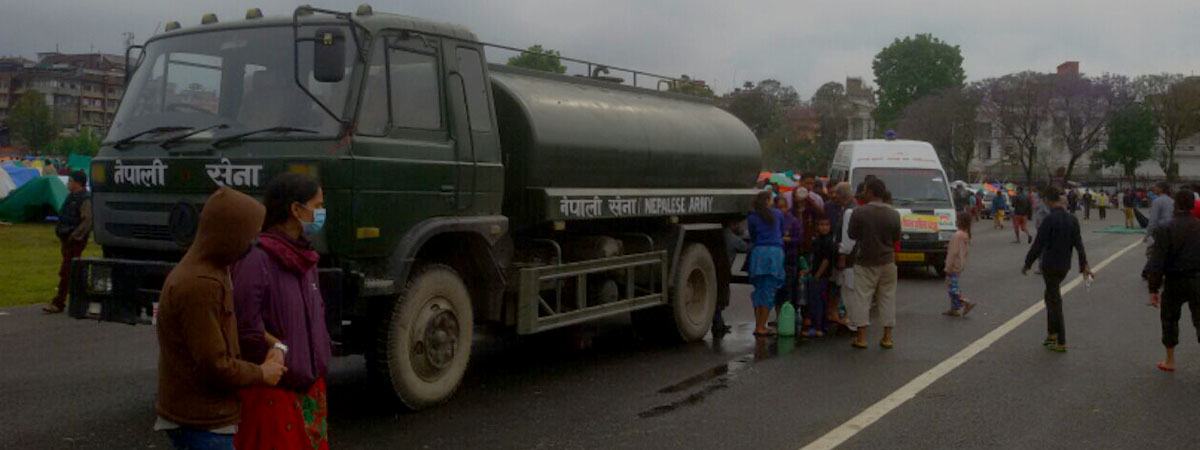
x=74 y=226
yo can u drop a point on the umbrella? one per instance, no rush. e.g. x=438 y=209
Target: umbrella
x=781 y=180
x=764 y=175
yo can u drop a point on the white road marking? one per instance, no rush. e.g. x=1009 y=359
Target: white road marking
x=856 y=424
x=3 y=313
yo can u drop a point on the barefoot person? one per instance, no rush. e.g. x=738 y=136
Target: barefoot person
x=1057 y=237
x=1174 y=265
x=766 y=259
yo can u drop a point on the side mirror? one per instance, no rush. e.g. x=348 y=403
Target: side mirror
x=329 y=55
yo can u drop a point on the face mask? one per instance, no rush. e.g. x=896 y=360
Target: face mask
x=314 y=227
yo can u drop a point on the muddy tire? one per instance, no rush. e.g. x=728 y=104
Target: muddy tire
x=425 y=344
x=693 y=300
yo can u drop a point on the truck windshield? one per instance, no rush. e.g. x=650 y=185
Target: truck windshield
x=240 y=78
x=908 y=186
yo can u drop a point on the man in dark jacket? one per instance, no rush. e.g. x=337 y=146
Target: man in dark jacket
x=1173 y=263
x=1057 y=236
x=74 y=226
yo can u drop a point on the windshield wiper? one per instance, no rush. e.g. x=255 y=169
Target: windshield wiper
x=119 y=144
x=240 y=136
x=167 y=143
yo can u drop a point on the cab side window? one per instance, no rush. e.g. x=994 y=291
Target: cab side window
x=402 y=89
x=414 y=85
x=470 y=66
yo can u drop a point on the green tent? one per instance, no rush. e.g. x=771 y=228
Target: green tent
x=33 y=201
x=78 y=162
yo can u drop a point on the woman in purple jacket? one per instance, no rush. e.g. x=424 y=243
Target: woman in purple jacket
x=280 y=313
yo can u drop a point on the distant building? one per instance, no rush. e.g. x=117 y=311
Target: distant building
x=993 y=152
x=82 y=89
x=861 y=113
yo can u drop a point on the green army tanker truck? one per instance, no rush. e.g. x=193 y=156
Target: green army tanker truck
x=459 y=193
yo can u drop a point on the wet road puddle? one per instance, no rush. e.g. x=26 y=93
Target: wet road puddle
x=716 y=378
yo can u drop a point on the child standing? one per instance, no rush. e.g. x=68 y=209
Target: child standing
x=956 y=260
x=824 y=254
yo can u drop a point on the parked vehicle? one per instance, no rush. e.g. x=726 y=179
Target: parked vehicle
x=459 y=193
x=920 y=192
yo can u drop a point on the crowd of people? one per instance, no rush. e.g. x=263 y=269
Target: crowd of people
x=827 y=252
x=831 y=254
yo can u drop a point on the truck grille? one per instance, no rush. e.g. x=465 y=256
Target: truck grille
x=919 y=237
x=141 y=206
x=139 y=231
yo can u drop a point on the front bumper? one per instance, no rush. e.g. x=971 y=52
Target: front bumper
x=127 y=291
x=921 y=249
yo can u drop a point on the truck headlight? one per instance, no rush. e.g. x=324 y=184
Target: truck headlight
x=945 y=235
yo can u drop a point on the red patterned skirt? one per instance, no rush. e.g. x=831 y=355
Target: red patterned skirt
x=276 y=418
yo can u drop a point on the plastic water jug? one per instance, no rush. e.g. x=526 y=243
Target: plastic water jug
x=787 y=320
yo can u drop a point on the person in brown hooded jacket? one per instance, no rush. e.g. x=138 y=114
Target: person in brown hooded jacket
x=200 y=367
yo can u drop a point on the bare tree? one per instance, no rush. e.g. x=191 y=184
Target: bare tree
x=1017 y=104
x=947 y=120
x=1174 y=102
x=1079 y=110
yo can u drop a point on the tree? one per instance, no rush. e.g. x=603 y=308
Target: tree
x=87 y=142
x=1016 y=104
x=833 y=110
x=31 y=121
x=1131 y=136
x=1079 y=109
x=537 y=58
x=685 y=85
x=1174 y=102
x=913 y=68
x=761 y=107
x=947 y=120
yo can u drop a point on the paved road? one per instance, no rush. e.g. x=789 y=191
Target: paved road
x=83 y=385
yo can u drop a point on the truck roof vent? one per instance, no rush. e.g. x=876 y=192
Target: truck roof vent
x=364 y=10
x=172 y=26
x=208 y=18
x=253 y=13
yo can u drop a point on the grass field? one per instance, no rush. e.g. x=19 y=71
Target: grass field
x=29 y=259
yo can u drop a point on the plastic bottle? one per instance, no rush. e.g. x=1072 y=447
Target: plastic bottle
x=787 y=320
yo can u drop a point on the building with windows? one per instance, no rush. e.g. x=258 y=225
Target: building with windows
x=82 y=89
x=995 y=155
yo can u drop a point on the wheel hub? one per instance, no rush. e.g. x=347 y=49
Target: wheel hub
x=435 y=340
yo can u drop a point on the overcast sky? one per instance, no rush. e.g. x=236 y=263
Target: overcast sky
x=800 y=42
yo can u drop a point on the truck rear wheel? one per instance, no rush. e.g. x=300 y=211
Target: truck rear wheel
x=693 y=300
x=425 y=344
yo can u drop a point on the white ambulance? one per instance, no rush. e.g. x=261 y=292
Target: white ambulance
x=920 y=192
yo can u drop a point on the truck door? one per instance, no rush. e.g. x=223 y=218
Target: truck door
x=406 y=162
x=473 y=125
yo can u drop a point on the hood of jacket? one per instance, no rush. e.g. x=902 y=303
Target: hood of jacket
x=229 y=223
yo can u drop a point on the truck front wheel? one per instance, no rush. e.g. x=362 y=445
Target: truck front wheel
x=693 y=300
x=426 y=342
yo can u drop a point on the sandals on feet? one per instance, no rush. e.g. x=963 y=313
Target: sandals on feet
x=1163 y=367
x=858 y=345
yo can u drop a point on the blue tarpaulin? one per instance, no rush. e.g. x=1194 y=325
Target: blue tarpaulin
x=22 y=175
